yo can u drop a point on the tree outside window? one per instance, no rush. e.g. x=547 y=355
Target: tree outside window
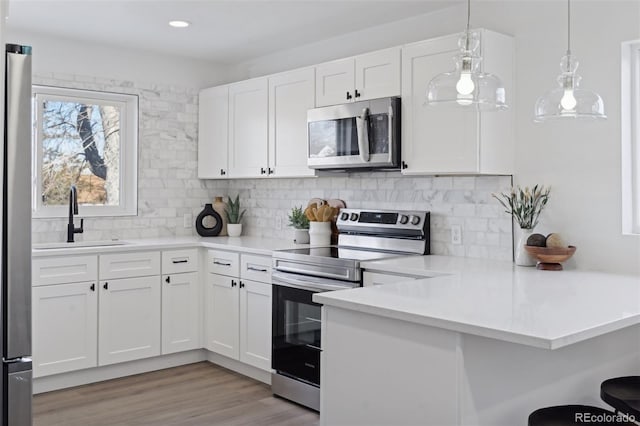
x=86 y=139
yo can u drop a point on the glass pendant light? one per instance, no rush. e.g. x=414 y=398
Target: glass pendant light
x=568 y=100
x=467 y=86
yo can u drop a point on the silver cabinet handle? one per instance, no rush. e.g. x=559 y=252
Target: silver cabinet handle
x=215 y=262
x=253 y=268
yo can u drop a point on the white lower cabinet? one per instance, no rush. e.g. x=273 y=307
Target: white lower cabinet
x=129 y=319
x=222 y=315
x=116 y=318
x=255 y=324
x=65 y=329
x=180 y=313
x=238 y=320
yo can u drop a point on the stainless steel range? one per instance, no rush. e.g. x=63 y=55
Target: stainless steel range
x=299 y=273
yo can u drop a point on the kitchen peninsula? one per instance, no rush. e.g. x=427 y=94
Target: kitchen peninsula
x=475 y=342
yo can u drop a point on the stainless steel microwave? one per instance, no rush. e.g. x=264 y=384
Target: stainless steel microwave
x=358 y=135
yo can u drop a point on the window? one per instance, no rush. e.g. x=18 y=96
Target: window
x=631 y=137
x=88 y=139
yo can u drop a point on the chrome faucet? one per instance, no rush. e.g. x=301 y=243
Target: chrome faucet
x=73 y=210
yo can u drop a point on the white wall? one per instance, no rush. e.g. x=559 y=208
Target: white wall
x=73 y=57
x=581 y=161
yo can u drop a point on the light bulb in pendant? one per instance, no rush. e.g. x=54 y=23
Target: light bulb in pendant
x=568 y=101
x=465 y=85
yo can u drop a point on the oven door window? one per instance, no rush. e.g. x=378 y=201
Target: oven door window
x=296 y=334
x=333 y=138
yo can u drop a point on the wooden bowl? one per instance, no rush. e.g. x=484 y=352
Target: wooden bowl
x=549 y=258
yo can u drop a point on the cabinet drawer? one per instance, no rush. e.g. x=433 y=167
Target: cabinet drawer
x=62 y=270
x=256 y=268
x=223 y=263
x=178 y=261
x=128 y=265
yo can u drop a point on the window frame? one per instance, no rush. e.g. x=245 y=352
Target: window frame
x=631 y=137
x=129 y=129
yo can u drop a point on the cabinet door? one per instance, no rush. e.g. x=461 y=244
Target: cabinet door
x=213 y=122
x=248 y=118
x=180 y=313
x=378 y=74
x=335 y=82
x=221 y=315
x=255 y=324
x=65 y=328
x=129 y=319
x=290 y=96
x=435 y=139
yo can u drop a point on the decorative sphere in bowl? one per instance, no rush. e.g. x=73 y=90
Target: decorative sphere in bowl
x=549 y=258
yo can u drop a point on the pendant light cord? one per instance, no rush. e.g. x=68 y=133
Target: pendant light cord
x=468 y=23
x=568 y=27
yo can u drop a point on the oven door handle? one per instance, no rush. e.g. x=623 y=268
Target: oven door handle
x=301 y=271
x=320 y=285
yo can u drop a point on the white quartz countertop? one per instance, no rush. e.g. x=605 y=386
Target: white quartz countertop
x=546 y=309
x=253 y=245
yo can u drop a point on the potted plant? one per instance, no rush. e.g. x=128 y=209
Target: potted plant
x=525 y=206
x=300 y=223
x=234 y=217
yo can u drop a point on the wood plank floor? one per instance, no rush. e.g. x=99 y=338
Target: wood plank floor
x=191 y=395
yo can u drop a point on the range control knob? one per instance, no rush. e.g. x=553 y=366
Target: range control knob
x=344 y=216
x=415 y=220
x=403 y=219
x=354 y=217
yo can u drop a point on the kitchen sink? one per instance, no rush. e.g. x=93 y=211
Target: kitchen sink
x=79 y=244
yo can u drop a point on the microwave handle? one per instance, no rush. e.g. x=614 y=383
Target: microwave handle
x=362 y=125
x=390 y=130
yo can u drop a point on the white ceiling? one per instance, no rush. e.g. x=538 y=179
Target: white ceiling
x=224 y=31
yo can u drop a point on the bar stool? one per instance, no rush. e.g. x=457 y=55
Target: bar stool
x=570 y=415
x=623 y=394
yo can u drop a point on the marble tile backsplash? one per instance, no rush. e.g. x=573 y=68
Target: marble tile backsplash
x=168 y=187
x=461 y=200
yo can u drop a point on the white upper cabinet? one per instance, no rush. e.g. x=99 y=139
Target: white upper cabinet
x=443 y=139
x=335 y=82
x=290 y=96
x=378 y=74
x=370 y=76
x=213 y=132
x=248 y=121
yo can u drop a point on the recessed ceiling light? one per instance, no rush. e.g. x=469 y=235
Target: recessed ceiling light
x=179 y=24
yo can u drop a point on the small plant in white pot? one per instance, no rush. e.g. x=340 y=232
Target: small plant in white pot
x=234 y=217
x=300 y=224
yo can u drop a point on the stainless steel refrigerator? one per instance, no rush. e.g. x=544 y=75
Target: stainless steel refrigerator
x=15 y=259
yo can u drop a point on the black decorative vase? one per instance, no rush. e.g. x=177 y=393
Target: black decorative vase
x=206 y=231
